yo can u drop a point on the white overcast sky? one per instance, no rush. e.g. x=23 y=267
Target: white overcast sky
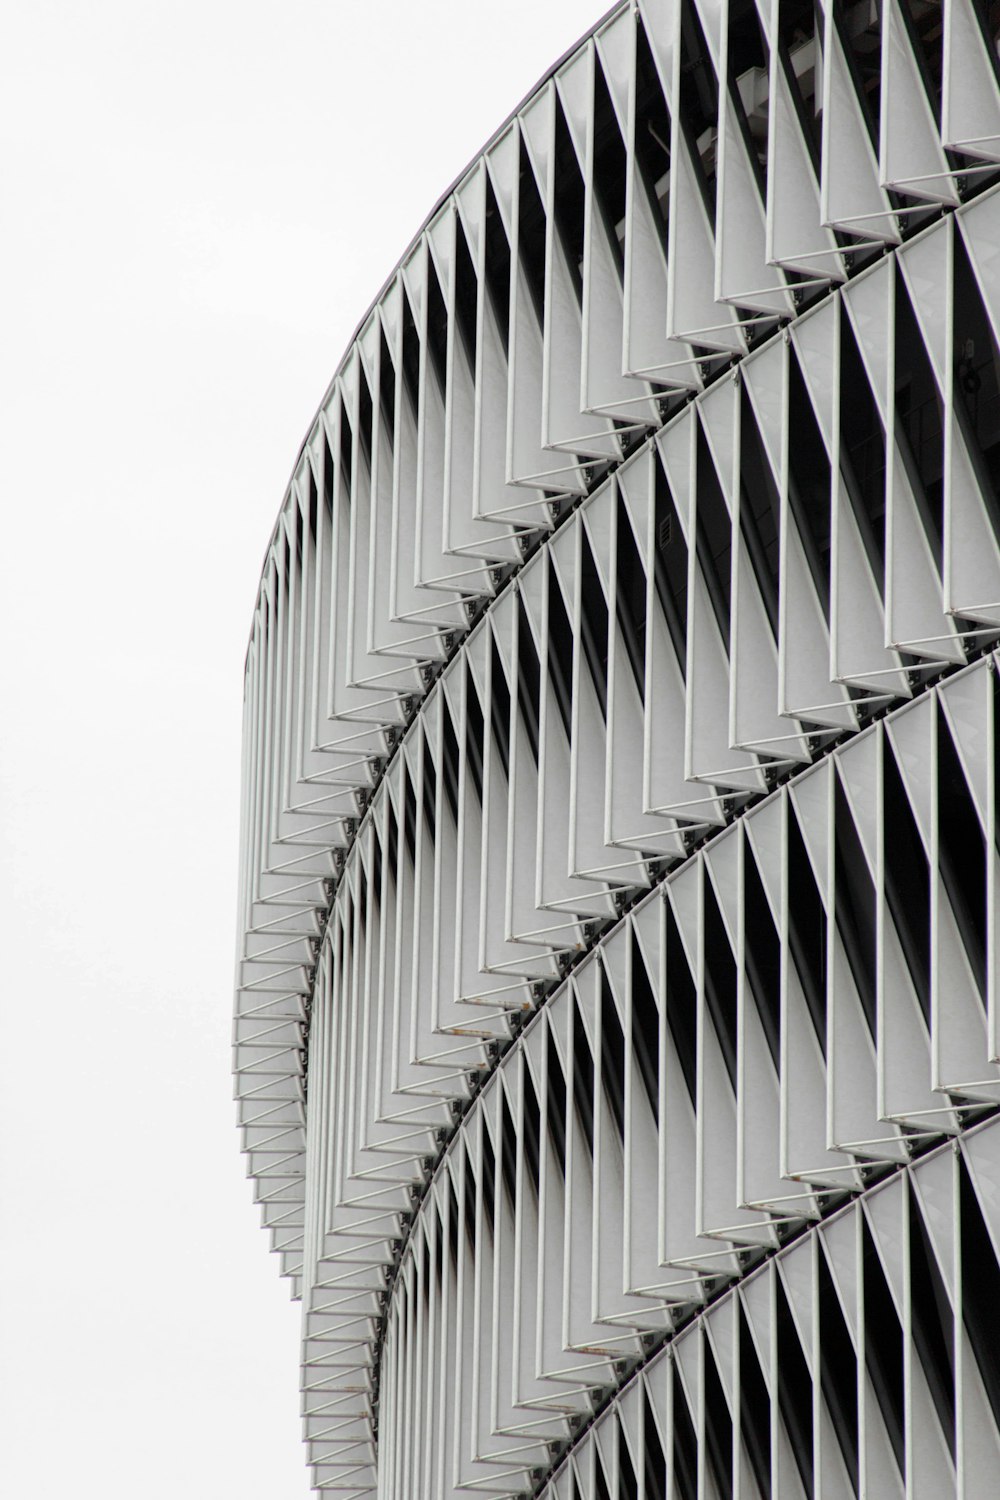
x=197 y=203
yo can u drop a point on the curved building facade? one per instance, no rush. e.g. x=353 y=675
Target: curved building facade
x=617 y=1006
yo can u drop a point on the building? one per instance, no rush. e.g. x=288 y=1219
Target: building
x=616 y=1034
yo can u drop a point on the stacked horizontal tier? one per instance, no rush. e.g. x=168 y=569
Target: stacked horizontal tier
x=860 y=1359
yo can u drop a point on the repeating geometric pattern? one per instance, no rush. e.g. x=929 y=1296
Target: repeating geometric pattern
x=616 y=1036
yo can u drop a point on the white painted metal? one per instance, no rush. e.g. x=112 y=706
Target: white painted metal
x=595 y=1086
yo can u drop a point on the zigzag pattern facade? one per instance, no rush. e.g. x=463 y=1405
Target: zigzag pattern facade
x=620 y=758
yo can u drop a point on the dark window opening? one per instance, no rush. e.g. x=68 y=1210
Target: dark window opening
x=362 y=903
x=474 y=733
x=987 y=17
x=838 y=1371
x=652 y=129
x=862 y=449
x=628 y=1485
x=312 y=504
x=645 y=1029
x=807 y=934
x=795 y=1389
x=682 y=1005
x=489 y=1180
x=500 y=708
x=391 y=845
x=699 y=105
x=907 y=879
x=411 y=357
x=600 y=1481
x=560 y=653
x=720 y=979
x=656 y=1459
x=932 y=1323
x=466 y=296
x=422 y=1268
x=714 y=537
x=497 y=263
x=630 y=598
x=976 y=389
x=441 y=1250
x=594 y=622
x=670 y=564
x=583 y=1078
x=429 y=793
x=568 y=203
x=375 y=881
x=980 y=1288
x=685 y=1443
x=883 y=1347
x=530 y=1126
x=762 y=955
x=528 y=678
x=801 y=59
x=612 y=1056
x=386 y=387
x=919 y=423
x=410 y=817
x=437 y=327
x=961 y=852
x=452 y=1223
x=508 y=1148
x=859 y=25
x=285 y=566
x=855 y=903
x=922 y=21
x=365 y=419
x=748 y=82
x=555 y=1103
x=610 y=167
x=718 y=1428
x=809 y=481
x=469 y=1196
x=351 y=948
x=327 y=479
x=449 y=759
x=300 y=520
x=755 y=1410
x=760 y=509
x=531 y=229
x=346 y=454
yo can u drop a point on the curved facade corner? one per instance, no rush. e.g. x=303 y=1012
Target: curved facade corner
x=616 y=1032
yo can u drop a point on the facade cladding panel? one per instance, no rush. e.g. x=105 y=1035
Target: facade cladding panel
x=617 y=1012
